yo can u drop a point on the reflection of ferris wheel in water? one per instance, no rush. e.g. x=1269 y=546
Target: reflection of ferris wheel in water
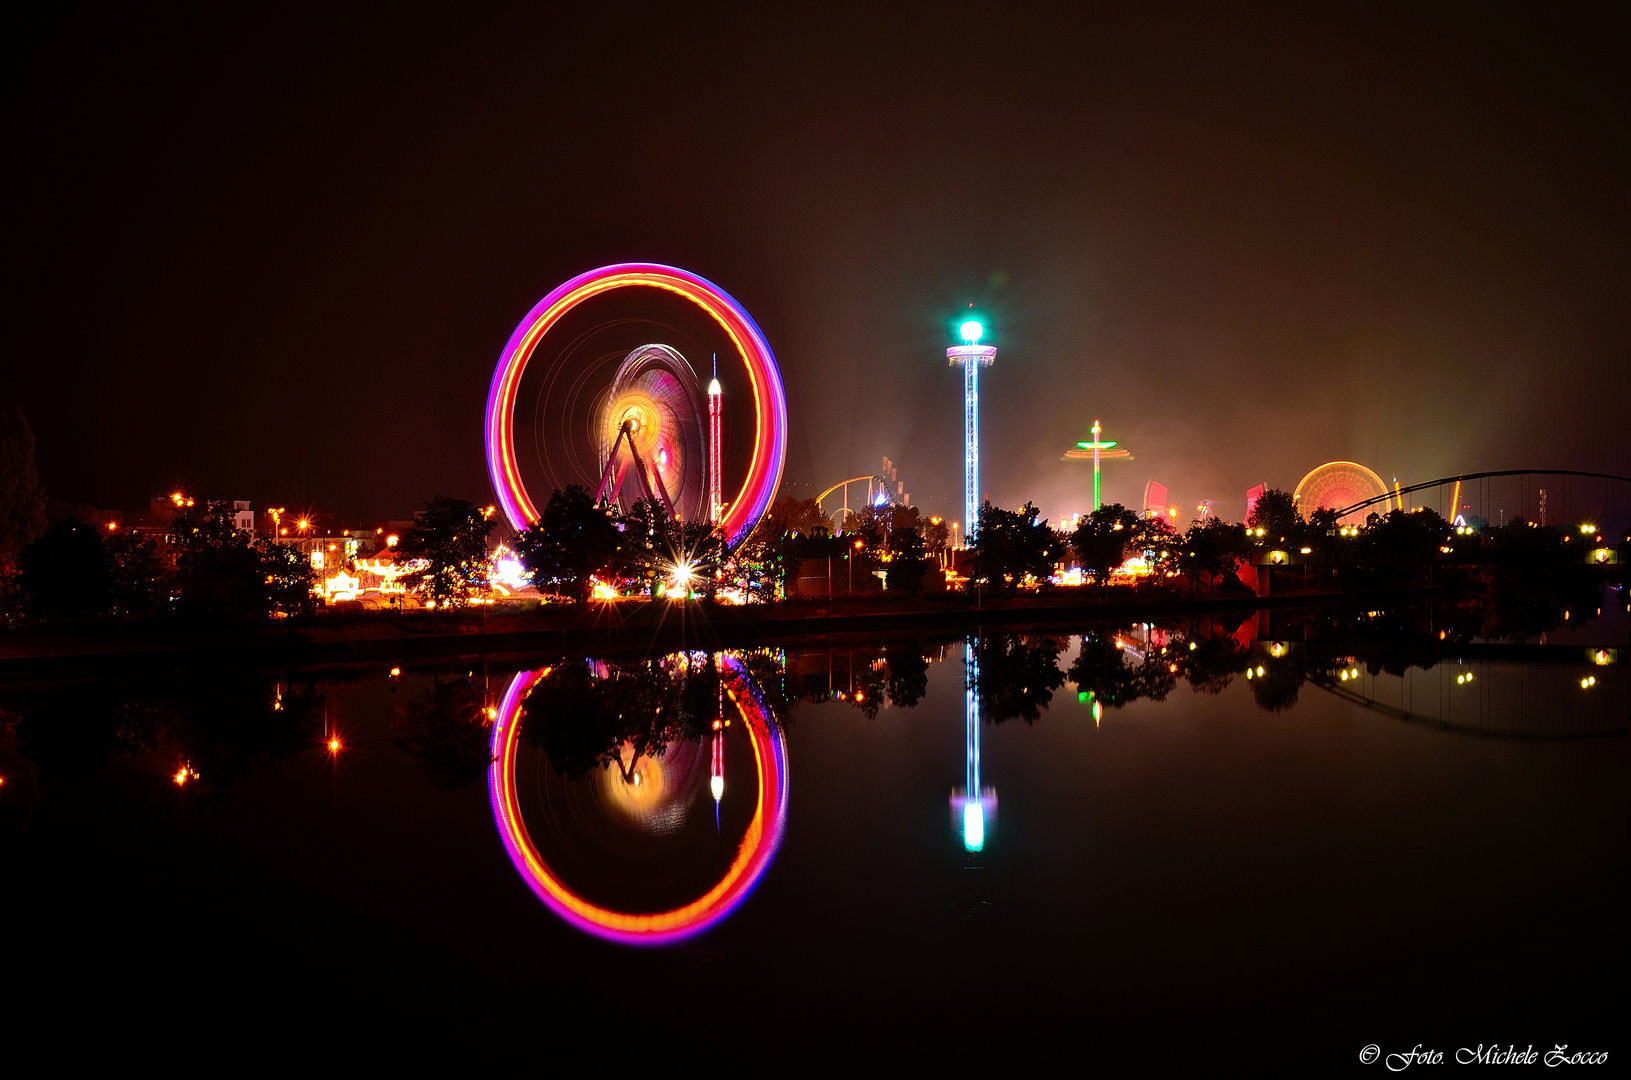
x=648 y=436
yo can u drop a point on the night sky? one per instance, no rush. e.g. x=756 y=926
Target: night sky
x=275 y=255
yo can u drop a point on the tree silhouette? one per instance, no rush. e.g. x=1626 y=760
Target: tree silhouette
x=450 y=535
x=1276 y=513
x=574 y=540
x=65 y=573
x=1011 y=544
x=1101 y=539
x=1211 y=549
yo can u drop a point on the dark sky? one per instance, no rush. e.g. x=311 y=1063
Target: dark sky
x=275 y=255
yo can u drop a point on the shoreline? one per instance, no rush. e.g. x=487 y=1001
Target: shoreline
x=622 y=626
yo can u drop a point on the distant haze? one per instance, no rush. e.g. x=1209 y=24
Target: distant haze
x=275 y=257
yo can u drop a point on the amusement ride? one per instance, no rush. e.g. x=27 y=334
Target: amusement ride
x=650 y=416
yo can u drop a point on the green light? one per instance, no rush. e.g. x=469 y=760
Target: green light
x=1101 y=446
x=971 y=331
x=1082 y=697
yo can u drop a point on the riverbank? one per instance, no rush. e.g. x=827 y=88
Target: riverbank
x=352 y=637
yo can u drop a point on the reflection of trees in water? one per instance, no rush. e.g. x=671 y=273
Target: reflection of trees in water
x=587 y=715
x=222 y=727
x=1114 y=677
x=1275 y=684
x=1016 y=675
x=1211 y=662
x=447 y=730
x=907 y=679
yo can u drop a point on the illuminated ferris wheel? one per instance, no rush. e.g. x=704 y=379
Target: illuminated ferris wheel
x=635 y=423
x=1338 y=484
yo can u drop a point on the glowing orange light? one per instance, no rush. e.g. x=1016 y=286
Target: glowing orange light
x=395 y=672
x=390 y=541
x=303 y=524
x=334 y=744
x=112 y=525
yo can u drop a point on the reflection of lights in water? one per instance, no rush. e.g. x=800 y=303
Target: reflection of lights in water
x=972 y=804
x=658 y=793
x=758 y=847
x=973 y=825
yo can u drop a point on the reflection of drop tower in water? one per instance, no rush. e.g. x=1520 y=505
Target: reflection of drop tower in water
x=716 y=771
x=973 y=808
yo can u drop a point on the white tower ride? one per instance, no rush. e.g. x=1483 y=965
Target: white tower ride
x=973 y=357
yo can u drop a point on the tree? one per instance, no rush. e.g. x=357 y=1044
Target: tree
x=1158 y=542
x=1211 y=549
x=65 y=573
x=936 y=536
x=1275 y=512
x=290 y=578
x=22 y=498
x=908 y=563
x=219 y=576
x=1408 y=536
x=803 y=516
x=1010 y=545
x=574 y=540
x=138 y=573
x=1101 y=539
x=450 y=535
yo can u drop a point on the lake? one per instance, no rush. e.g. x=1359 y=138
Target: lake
x=1263 y=840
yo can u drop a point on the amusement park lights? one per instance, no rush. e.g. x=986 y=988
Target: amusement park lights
x=971 y=331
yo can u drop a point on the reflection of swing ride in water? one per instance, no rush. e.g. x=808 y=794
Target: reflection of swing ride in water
x=640 y=736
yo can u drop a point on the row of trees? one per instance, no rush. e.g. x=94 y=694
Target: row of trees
x=211 y=570
x=1014 y=547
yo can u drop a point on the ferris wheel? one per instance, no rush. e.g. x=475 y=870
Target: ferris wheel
x=634 y=423
x=1338 y=484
